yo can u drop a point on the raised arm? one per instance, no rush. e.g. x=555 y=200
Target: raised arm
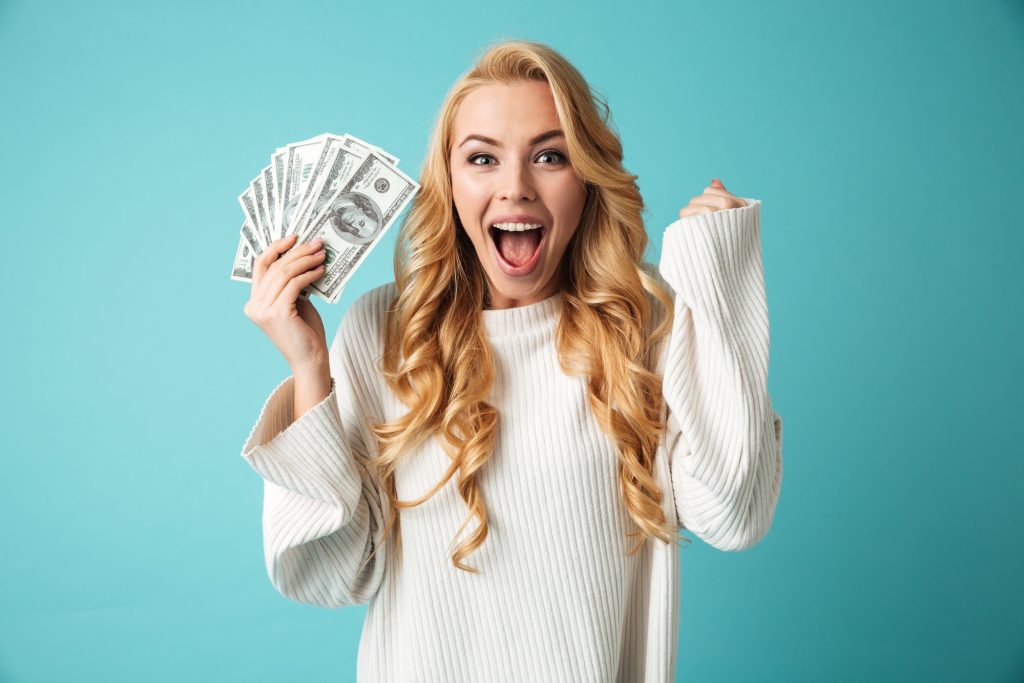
x=322 y=509
x=724 y=437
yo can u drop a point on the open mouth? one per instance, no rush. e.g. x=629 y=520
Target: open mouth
x=518 y=251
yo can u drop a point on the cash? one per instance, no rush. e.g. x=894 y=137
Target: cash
x=337 y=187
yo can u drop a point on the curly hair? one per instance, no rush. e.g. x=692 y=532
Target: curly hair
x=437 y=358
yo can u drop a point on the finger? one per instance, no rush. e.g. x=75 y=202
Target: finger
x=717 y=192
x=269 y=255
x=277 y=279
x=290 y=256
x=713 y=201
x=694 y=210
x=290 y=292
x=717 y=188
x=298 y=250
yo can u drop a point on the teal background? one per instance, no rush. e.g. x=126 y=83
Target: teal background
x=884 y=140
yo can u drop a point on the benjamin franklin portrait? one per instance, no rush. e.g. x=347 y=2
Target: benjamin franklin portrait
x=354 y=217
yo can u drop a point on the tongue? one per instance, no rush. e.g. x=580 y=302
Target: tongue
x=518 y=247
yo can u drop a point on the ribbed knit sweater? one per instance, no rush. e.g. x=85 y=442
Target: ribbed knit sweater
x=557 y=598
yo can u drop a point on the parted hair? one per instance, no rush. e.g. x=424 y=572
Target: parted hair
x=437 y=358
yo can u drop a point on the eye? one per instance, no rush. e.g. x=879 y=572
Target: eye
x=559 y=158
x=551 y=152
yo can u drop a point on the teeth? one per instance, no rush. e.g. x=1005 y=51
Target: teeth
x=517 y=227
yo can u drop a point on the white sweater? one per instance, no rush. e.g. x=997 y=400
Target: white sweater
x=557 y=598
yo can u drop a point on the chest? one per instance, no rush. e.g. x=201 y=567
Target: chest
x=550 y=458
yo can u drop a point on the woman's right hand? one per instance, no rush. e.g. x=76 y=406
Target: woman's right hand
x=293 y=324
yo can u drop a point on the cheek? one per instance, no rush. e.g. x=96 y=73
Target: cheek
x=566 y=200
x=470 y=200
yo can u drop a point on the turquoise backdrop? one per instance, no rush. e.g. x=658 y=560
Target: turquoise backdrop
x=883 y=138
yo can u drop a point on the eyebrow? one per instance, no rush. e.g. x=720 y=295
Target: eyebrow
x=491 y=141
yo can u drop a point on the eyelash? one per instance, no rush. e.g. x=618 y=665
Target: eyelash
x=561 y=157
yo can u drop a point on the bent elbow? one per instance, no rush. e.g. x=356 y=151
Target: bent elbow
x=319 y=575
x=750 y=526
x=744 y=538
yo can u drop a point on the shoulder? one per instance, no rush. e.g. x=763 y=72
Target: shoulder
x=372 y=305
x=364 y=322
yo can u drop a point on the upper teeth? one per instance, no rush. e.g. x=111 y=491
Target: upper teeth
x=517 y=226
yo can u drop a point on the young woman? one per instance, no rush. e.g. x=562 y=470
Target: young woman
x=529 y=377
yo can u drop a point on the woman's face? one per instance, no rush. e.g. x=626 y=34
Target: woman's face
x=520 y=173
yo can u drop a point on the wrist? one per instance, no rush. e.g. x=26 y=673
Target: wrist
x=312 y=386
x=317 y=366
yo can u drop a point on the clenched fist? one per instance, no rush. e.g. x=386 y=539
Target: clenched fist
x=715 y=198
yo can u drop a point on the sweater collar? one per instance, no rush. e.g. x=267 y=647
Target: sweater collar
x=514 y=322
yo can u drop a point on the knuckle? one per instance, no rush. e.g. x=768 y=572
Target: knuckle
x=293 y=269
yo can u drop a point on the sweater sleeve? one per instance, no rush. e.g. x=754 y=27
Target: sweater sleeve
x=321 y=507
x=724 y=437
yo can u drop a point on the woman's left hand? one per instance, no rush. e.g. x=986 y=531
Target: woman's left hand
x=715 y=198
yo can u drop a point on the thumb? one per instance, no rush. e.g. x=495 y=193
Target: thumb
x=717 y=183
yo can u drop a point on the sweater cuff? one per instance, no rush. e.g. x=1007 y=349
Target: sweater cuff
x=308 y=456
x=280 y=447
x=709 y=253
x=278 y=413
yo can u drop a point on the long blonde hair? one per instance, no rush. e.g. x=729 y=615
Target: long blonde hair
x=437 y=358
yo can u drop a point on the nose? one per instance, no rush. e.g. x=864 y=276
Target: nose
x=516 y=183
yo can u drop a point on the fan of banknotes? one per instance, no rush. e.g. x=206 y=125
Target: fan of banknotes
x=337 y=187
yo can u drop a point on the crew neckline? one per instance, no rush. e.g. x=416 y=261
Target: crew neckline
x=520 y=320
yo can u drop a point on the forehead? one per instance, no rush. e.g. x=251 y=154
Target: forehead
x=508 y=112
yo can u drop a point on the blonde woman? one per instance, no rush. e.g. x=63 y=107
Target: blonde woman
x=497 y=449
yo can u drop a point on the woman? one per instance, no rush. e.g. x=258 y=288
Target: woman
x=528 y=372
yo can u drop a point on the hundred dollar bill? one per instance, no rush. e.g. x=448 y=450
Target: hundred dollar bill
x=244 y=257
x=249 y=236
x=362 y=147
x=341 y=164
x=277 y=168
x=269 y=194
x=312 y=183
x=261 y=208
x=358 y=149
x=356 y=217
x=300 y=158
x=248 y=201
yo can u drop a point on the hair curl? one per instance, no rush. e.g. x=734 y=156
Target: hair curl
x=437 y=358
